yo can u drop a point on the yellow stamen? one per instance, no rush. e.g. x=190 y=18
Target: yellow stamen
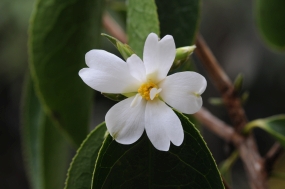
x=145 y=88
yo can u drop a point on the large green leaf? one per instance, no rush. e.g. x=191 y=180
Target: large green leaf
x=274 y=125
x=81 y=169
x=179 y=18
x=45 y=150
x=61 y=32
x=142 y=19
x=270 y=15
x=140 y=165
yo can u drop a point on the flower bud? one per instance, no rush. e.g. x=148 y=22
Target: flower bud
x=244 y=97
x=182 y=55
x=124 y=49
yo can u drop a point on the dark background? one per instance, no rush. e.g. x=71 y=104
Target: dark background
x=228 y=27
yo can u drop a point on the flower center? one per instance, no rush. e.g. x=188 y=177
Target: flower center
x=149 y=90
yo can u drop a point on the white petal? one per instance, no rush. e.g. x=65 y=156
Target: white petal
x=126 y=123
x=166 y=56
x=137 y=68
x=150 y=53
x=136 y=100
x=109 y=81
x=108 y=73
x=182 y=91
x=162 y=125
x=158 y=56
x=95 y=58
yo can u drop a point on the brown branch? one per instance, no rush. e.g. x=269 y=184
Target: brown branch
x=114 y=28
x=254 y=164
x=223 y=84
x=272 y=155
x=217 y=126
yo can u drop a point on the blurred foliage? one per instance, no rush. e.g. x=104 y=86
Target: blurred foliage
x=270 y=15
x=14 y=21
x=45 y=150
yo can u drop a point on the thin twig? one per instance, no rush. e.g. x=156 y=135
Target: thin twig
x=217 y=126
x=223 y=84
x=114 y=28
x=272 y=155
x=254 y=164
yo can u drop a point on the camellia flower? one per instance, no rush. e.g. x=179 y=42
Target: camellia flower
x=147 y=80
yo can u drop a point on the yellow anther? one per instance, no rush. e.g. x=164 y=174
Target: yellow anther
x=145 y=89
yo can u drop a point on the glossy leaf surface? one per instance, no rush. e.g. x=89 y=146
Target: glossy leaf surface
x=61 y=32
x=140 y=165
x=180 y=19
x=82 y=166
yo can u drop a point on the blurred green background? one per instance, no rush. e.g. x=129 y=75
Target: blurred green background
x=230 y=30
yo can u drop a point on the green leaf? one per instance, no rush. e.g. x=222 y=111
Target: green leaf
x=140 y=165
x=142 y=19
x=61 y=32
x=270 y=16
x=274 y=125
x=81 y=169
x=179 y=18
x=45 y=150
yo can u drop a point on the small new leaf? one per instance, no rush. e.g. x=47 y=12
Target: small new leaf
x=244 y=97
x=238 y=82
x=216 y=101
x=226 y=166
x=115 y=97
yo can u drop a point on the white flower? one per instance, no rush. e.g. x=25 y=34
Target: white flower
x=151 y=86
